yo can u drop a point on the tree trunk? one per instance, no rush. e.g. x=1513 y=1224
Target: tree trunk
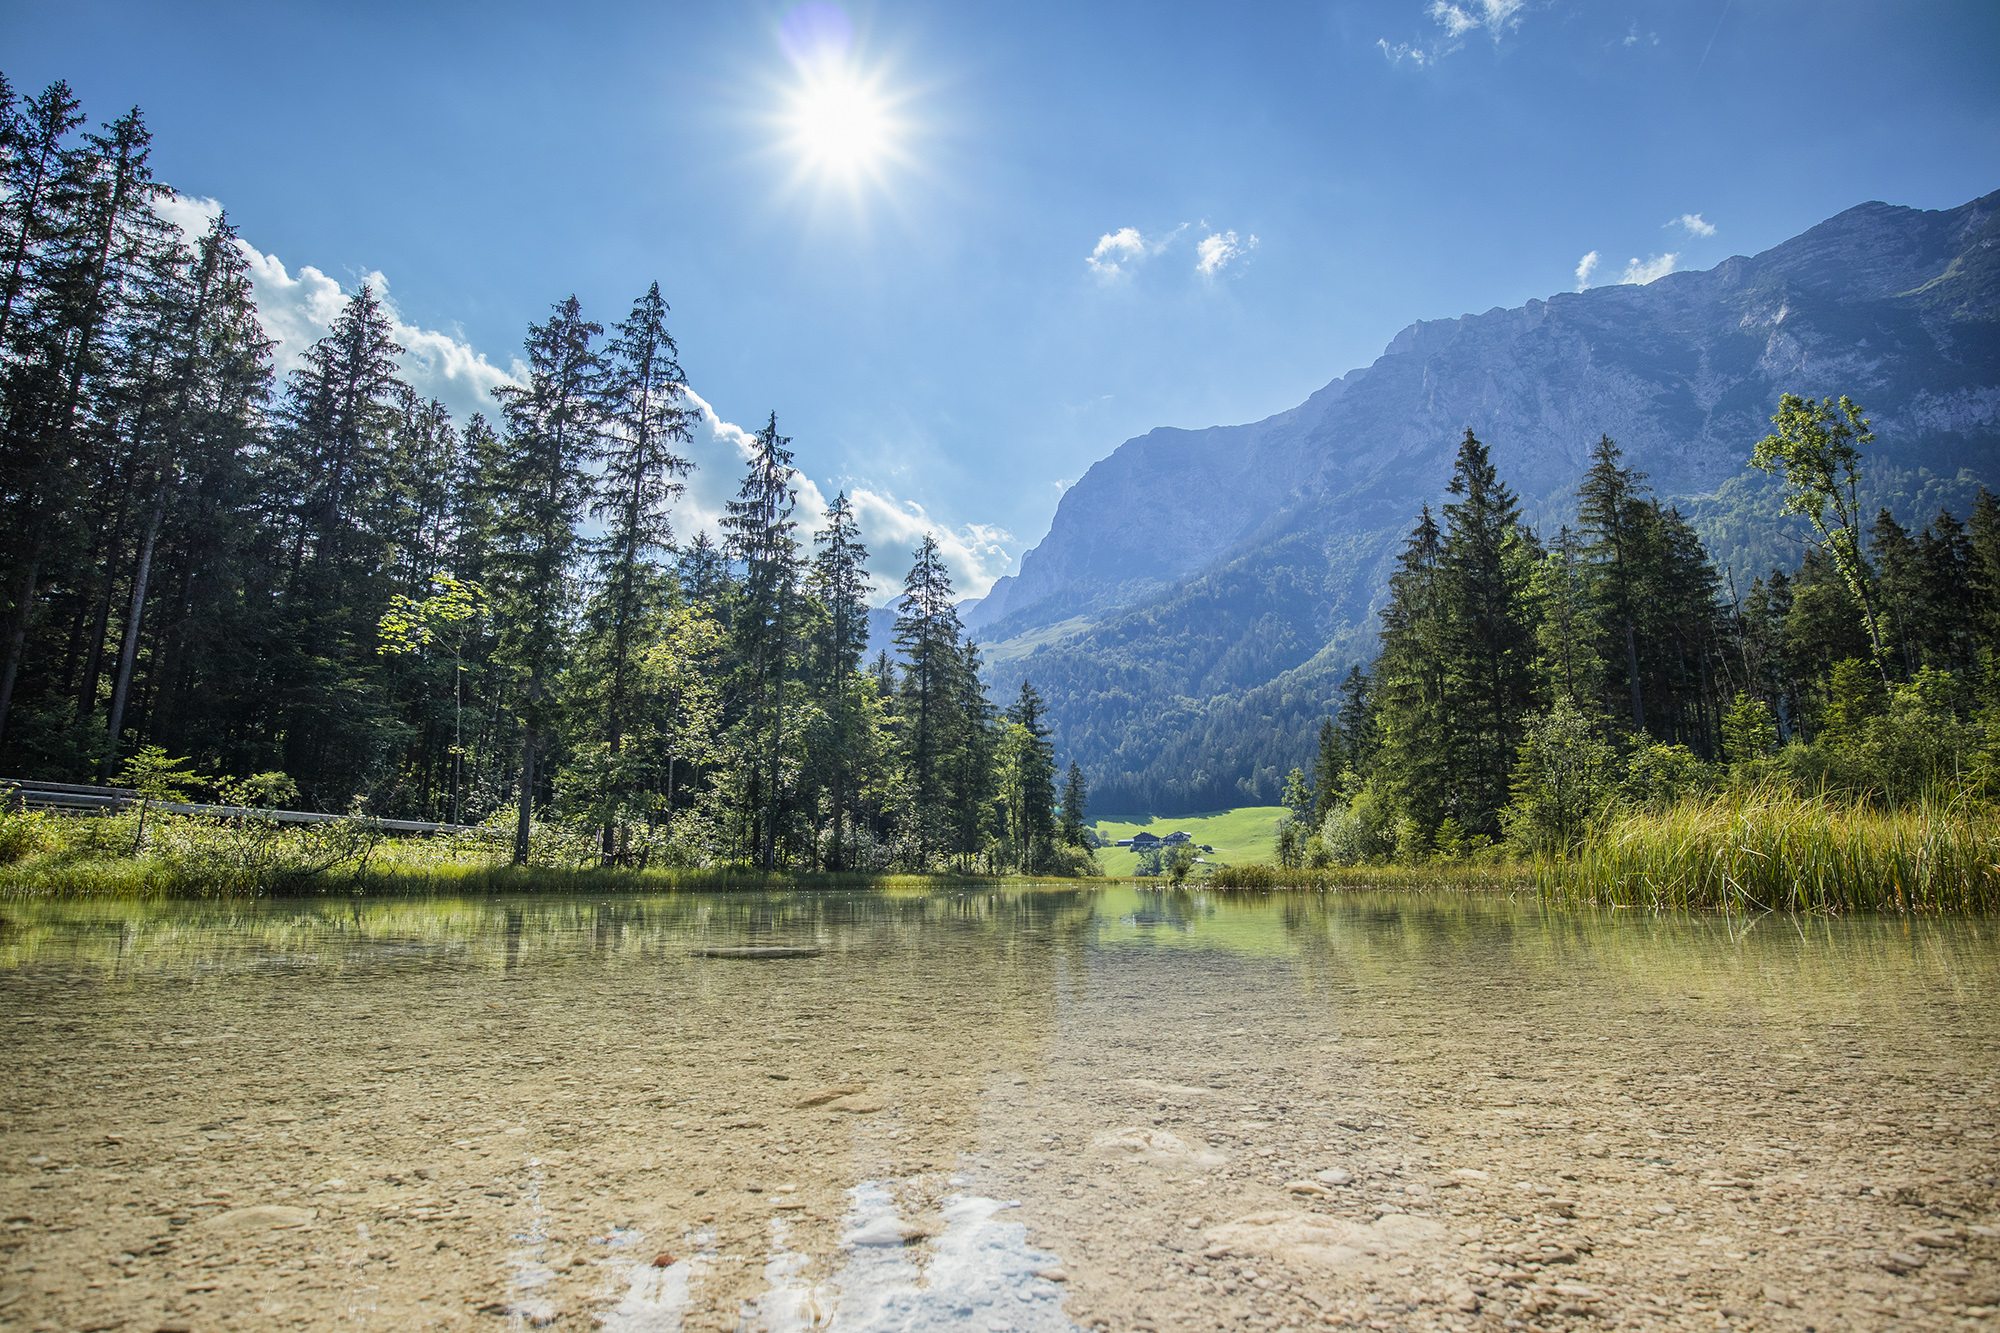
x=129 y=650
x=17 y=636
x=1632 y=672
x=527 y=811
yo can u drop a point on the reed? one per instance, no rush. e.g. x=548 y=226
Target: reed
x=1428 y=876
x=1767 y=849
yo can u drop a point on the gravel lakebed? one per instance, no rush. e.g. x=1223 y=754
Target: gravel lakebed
x=1026 y=1110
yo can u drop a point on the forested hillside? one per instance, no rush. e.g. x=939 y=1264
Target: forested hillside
x=329 y=593
x=1201 y=593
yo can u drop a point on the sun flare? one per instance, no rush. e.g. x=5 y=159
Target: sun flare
x=841 y=124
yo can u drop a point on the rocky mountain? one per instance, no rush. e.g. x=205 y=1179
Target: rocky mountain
x=1199 y=591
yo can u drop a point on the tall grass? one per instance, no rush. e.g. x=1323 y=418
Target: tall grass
x=1773 y=850
x=1441 y=875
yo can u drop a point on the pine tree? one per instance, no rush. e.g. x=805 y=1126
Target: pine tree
x=1075 y=805
x=1030 y=779
x=839 y=582
x=1410 y=705
x=759 y=526
x=555 y=428
x=1488 y=637
x=927 y=631
x=1612 y=513
x=646 y=420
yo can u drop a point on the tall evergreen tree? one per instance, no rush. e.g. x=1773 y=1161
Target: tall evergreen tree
x=1030 y=764
x=839 y=582
x=646 y=419
x=1489 y=619
x=1075 y=806
x=759 y=527
x=927 y=634
x=555 y=428
x=1612 y=514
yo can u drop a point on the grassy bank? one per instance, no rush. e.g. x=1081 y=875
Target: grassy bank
x=1779 y=852
x=170 y=856
x=1440 y=876
x=1246 y=834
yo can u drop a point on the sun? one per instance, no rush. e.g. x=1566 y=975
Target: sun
x=841 y=124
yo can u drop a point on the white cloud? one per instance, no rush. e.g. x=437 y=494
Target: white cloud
x=1458 y=18
x=1693 y=224
x=1584 y=268
x=1213 y=253
x=1652 y=269
x=1495 y=16
x=297 y=311
x=976 y=553
x=1116 y=250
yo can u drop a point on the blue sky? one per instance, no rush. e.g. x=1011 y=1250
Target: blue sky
x=1017 y=283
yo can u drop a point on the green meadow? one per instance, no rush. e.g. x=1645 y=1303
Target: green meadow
x=1247 y=833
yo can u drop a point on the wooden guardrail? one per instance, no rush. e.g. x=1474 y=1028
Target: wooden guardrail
x=30 y=794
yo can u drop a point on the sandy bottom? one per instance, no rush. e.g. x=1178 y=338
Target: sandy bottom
x=1033 y=1110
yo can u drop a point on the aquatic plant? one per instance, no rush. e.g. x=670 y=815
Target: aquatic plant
x=1769 y=849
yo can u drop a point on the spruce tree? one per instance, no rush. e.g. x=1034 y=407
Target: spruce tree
x=1075 y=805
x=927 y=631
x=839 y=582
x=555 y=429
x=1488 y=616
x=759 y=527
x=1612 y=514
x=646 y=421
x=1031 y=779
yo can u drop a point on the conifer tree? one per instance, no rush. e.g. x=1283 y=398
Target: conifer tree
x=839 y=582
x=1611 y=512
x=1489 y=639
x=555 y=428
x=1030 y=768
x=646 y=420
x=1075 y=805
x=759 y=527
x=927 y=632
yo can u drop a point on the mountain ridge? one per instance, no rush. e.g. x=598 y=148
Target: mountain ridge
x=1893 y=305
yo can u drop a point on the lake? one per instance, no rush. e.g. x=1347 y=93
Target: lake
x=1040 y=1107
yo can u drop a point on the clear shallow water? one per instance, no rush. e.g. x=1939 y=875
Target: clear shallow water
x=1031 y=1109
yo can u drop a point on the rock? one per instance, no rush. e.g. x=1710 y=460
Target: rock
x=1318 y=1241
x=858 y=1104
x=1052 y=1274
x=262 y=1217
x=1897 y=1261
x=1463 y=1299
x=1561 y=1207
x=1935 y=1240
x=1308 y=1187
x=758 y=951
x=825 y=1095
x=1333 y=1175
x=1140 y=1143
x=1470 y=1173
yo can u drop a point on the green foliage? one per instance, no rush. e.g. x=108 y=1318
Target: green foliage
x=1564 y=778
x=158 y=778
x=22 y=834
x=1749 y=731
x=1770 y=850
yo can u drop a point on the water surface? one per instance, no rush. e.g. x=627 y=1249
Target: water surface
x=1038 y=1108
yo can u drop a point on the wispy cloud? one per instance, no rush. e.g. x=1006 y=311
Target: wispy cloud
x=1649 y=270
x=1584 y=268
x=1213 y=253
x=1693 y=225
x=1494 y=16
x=1460 y=19
x=1120 y=251
x=297 y=310
x=976 y=553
